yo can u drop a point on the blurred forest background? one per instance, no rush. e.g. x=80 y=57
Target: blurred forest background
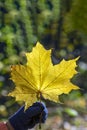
x=58 y=24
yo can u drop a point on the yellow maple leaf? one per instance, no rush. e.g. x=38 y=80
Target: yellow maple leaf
x=40 y=78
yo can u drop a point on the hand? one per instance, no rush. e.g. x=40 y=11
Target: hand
x=22 y=120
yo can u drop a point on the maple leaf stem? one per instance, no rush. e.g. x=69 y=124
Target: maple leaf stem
x=39 y=95
x=40 y=126
x=40 y=118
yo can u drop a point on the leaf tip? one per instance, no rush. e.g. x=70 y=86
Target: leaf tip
x=77 y=58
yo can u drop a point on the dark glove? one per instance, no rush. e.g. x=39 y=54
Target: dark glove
x=22 y=120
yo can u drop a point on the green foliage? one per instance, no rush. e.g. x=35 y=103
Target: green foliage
x=71 y=112
x=22 y=23
x=77 y=16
